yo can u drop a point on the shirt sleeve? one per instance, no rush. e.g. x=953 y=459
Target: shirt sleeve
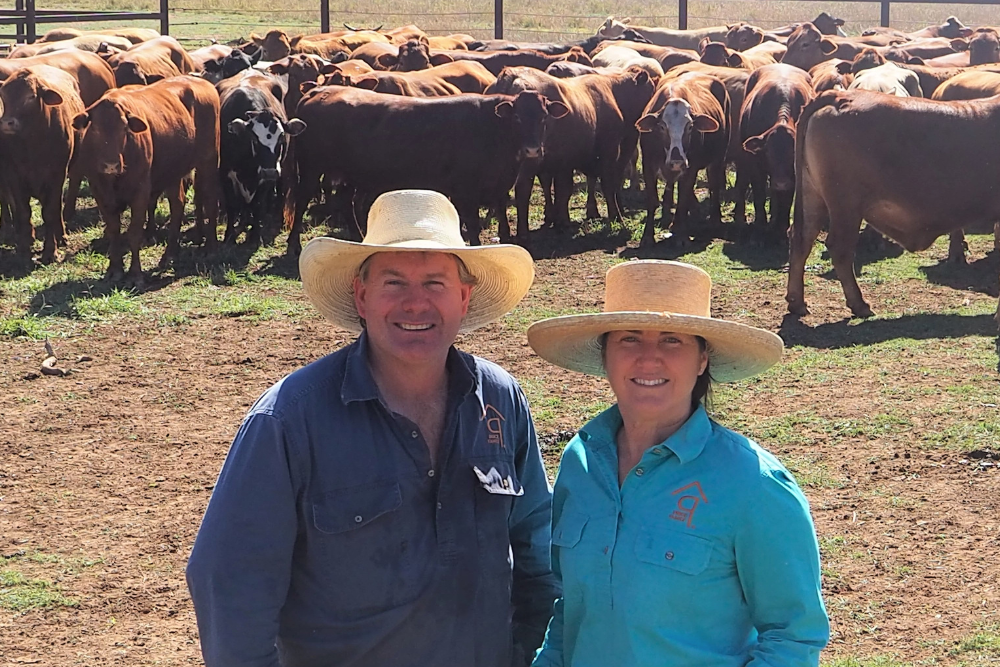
x=530 y=526
x=777 y=558
x=551 y=653
x=240 y=567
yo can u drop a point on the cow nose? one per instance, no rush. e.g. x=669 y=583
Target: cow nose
x=782 y=184
x=9 y=125
x=677 y=161
x=532 y=152
x=269 y=174
x=112 y=168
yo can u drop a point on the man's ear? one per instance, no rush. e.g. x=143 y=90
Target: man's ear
x=359 y=297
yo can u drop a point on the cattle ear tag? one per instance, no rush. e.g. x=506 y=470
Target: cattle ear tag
x=497 y=485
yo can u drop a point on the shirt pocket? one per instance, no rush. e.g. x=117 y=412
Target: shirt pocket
x=362 y=550
x=680 y=552
x=495 y=486
x=568 y=531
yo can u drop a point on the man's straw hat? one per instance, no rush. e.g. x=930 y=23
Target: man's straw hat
x=655 y=295
x=414 y=221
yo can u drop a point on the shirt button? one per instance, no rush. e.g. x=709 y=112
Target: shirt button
x=669 y=555
x=358 y=519
x=414 y=434
x=639 y=471
x=605 y=550
x=430 y=473
x=657 y=451
x=439 y=505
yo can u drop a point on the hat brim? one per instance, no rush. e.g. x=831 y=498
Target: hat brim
x=735 y=351
x=504 y=274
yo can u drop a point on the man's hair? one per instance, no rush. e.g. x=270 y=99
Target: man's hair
x=702 y=392
x=464 y=275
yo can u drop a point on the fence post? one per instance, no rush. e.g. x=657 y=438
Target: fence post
x=164 y=17
x=324 y=15
x=682 y=14
x=19 y=26
x=885 y=13
x=498 y=19
x=29 y=16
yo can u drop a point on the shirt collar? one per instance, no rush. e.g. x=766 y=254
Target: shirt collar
x=687 y=443
x=359 y=384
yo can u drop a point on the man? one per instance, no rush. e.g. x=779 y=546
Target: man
x=386 y=505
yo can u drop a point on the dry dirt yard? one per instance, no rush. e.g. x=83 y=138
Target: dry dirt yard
x=890 y=426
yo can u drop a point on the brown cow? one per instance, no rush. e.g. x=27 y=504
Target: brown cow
x=495 y=61
x=742 y=36
x=775 y=98
x=808 y=47
x=449 y=43
x=405 y=33
x=932 y=77
x=370 y=53
x=37 y=140
x=925 y=49
x=718 y=54
x=667 y=56
x=983 y=49
x=368 y=140
x=274 y=44
x=831 y=75
x=149 y=62
x=92 y=42
x=685 y=128
x=141 y=141
x=452 y=78
x=412 y=56
x=887 y=160
x=678 y=39
x=329 y=48
x=300 y=68
x=93 y=76
x=826 y=24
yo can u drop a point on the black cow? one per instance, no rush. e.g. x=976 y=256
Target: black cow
x=229 y=65
x=254 y=139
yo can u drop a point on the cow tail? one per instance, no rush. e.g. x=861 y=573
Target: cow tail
x=289 y=183
x=826 y=99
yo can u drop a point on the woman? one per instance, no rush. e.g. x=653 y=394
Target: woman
x=679 y=542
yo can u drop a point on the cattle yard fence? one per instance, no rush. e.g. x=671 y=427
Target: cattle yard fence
x=27 y=19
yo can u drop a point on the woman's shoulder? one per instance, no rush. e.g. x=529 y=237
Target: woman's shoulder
x=747 y=456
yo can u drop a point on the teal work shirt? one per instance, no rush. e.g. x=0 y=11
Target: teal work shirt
x=705 y=556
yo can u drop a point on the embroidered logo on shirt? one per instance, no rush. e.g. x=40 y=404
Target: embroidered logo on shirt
x=494 y=483
x=494 y=421
x=690 y=496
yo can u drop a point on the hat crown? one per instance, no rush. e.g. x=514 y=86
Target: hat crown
x=407 y=216
x=658 y=286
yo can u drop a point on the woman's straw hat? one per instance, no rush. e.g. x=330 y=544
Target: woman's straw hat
x=658 y=296
x=414 y=221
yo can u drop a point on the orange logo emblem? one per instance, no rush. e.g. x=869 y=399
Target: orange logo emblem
x=494 y=422
x=690 y=497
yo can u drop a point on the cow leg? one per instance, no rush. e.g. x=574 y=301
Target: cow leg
x=522 y=196
x=24 y=239
x=69 y=203
x=503 y=221
x=758 y=182
x=113 y=233
x=781 y=210
x=8 y=234
x=150 y=217
x=53 y=228
x=206 y=198
x=957 y=247
x=549 y=214
x=716 y=184
x=308 y=187
x=140 y=205
x=842 y=242
x=592 y=211
x=650 y=173
x=668 y=201
x=562 y=183
x=740 y=194
x=176 y=196
x=685 y=201
x=811 y=217
x=469 y=214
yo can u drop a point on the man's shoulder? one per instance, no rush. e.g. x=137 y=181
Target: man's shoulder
x=312 y=384
x=491 y=375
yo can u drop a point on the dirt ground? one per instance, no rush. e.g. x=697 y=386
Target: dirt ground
x=109 y=470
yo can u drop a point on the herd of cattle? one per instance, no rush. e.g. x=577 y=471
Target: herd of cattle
x=899 y=129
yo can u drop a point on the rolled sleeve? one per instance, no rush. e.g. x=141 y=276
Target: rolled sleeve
x=240 y=566
x=777 y=557
x=530 y=526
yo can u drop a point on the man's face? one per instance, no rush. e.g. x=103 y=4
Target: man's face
x=413 y=304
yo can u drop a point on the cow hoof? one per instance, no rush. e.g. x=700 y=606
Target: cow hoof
x=593 y=213
x=798 y=308
x=958 y=260
x=115 y=276
x=863 y=312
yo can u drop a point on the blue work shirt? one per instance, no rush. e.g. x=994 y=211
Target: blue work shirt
x=331 y=540
x=706 y=555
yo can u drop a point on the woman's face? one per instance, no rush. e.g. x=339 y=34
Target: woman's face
x=653 y=373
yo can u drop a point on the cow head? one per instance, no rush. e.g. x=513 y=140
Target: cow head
x=631 y=35
x=828 y=25
x=531 y=115
x=866 y=59
x=953 y=28
x=414 y=55
x=578 y=55
x=777 y=148
x=742 y=36
x=716 y=53
x=24 y=98
x=131 y=73
x=633 y=91
x=984 y=47
x=107 y=129
x=267 y=135
x=807 y=47
x=675 y=123
x=274 y=44
x=234 y=63
x=612 y=28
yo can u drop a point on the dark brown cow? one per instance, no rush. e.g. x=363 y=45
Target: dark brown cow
x=93 y=76
x=300 y=68
x=149 y=62
x=925 y=49
x=368 y=140
x=775 y=98
x=887 y=160
x=140 y=141
x=413 y=56
x=685 y=128
x=37 y=140
x=495 y=61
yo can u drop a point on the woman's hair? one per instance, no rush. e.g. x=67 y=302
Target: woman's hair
x=702 y=392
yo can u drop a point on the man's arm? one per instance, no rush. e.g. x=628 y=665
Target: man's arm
x=777 y=558
x=535 y=587
x=240 y=567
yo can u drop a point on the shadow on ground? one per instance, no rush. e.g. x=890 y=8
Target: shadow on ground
x=837 y=335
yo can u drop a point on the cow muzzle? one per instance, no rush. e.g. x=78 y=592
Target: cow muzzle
x=782 y=184
x=112 y=169
x=9 y=126
x=677 y=161
x=531 y=152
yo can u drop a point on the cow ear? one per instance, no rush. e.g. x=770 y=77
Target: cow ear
x=339 y=57
x=371 y=83
x=81 y=121
x=212 y=67
x=278 y=91
x=329 y=68
x=827 y=46
x=255 y=58
x=387 y=61
x=844 y=67
x=441 y=59
x=136 y=124
x=256 y=39
x=702 y=44
x=295 y=127
x=704 y=123
x=647 y=123
x=754 y=145
x=960 y=44
x=423 y=40
x=51 y=97
x=306 y=86
x=504 y=110
x=278 y=68
x=641 y=77
x=736 y=60
x=758 y=38
x=237 y=126
x=556 y=109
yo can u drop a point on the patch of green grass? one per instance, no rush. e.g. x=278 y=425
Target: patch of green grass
x=984 y=644
x=20 y=594
x=118 y=302
x=872 y=661
x=29 y=326
x=172 y=320
x=253 y=306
